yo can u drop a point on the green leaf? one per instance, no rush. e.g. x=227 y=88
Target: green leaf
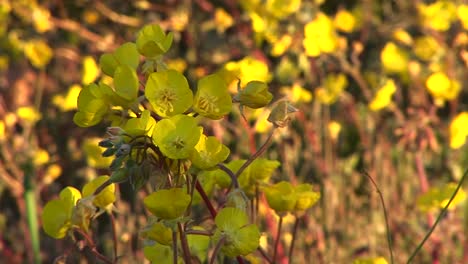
x=168 y=93
x=126 y=82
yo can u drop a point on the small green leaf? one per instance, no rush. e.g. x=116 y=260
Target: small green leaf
x=126 y=82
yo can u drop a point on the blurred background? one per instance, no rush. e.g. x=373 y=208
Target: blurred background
x=381 y=87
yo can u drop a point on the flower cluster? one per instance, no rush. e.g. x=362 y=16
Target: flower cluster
x=156 y=133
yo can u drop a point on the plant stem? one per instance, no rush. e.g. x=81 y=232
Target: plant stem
x=293 y=240
x=384 y=208
x=216 y=249
x=205 y=198
x=92 y=247
x=184 y=243
x=278 y=235
x=114 y=235
x=174 y=247
x=259 y=152
x=234 y=181
x=31 y=210
x=442 y=213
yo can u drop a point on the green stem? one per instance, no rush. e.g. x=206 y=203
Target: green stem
x=384 y=208
x=259 y=152
x=442 y=213
x=31 y=210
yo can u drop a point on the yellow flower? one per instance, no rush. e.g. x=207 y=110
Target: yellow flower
x=282 y=8
x=437 y=198
x=297 y=94
x=104 y=198
x=57 y=214
x=41 y=157
x=438 y=15
x=378 y=260
x=384 y=96
x=442 y=88
x=320 y=36
x=280 y=46
x=394 y=59
x=402 y=36
x=458 y=130
x=41 y=19
x=344 y=21
x=38 y=53
x=67 y=102
x=223 y=20
x=90 y=70
x=248 y=69
x=332 y=87
x=426 y=47
x=28 y=114
x=462 y=13
x=167 y=204
x=334 y=129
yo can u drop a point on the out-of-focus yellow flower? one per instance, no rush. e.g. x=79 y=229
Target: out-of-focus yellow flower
x=29 y=114
x=344 y=21
x=41 y=157
x=52 y=173
x=282 y=8
x=402 y=36
x=38 y=53
x=442 y=88
x=438 y=15
x=67 y=102
x=223 y=20
x=262 y=125
x=280 y=46
x=331 y=88
x=91 y=16
x=2 y=130
x=320 y=36
x=394 y=59
x=41 y=19
x=334 y=129
x=437 y=198
x=384 y=96
x=248 y=69
x=179 y=19
x=297 y=94
x=426 y=47
x=177 y=64
x=462 y=13
x=458 y=130
x=90 y=70
x=93 y=152
x=378 y=260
